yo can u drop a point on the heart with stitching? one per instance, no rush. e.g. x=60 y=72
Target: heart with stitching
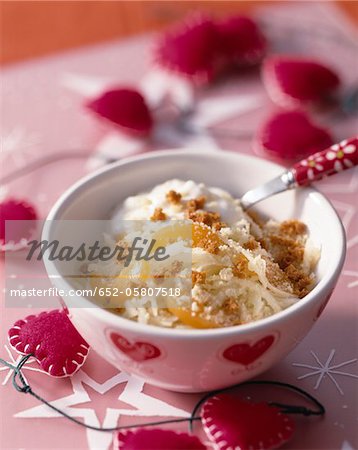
x=53 y=340
x=231 y=423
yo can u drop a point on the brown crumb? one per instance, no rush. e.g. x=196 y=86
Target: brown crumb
x=300 y=280
x=251 y=244
x=286 y=245
x=173 y=197
x=293 y=228
x=158 y=215
x=205 y=217
x=198 y=277
x=277 y=276
x=218 y=225
x=231 y=306
x=196 y=203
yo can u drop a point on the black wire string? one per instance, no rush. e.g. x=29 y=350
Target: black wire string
x=22 y=386
x=287 y=409
x=25 y=388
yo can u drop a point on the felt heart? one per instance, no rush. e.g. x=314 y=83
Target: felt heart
x=290 y=136
x=53 y=340
x=20 y=231
x=232 y=423
x=156 y=439
x=138 y=351
x=241 y=40
x=190 y=48
x=292 y=81
x=126 y=108
x=245 y=353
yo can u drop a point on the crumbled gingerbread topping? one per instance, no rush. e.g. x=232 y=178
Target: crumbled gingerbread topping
x=158 y=215
x=293 y=228
x=205 y=217
x=277 y=276
x=286 y=245
x=196 y=203
x=301 y=282
x=231 y=306
x=218 y=225
x=173 y=197
x=251 y=244
x=198 y=277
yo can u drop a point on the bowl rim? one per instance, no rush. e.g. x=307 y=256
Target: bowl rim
x=120 y=322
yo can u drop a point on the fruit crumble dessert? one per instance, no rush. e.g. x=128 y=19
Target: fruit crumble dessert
x=242 y=268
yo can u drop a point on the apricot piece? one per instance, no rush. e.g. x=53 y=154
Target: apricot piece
x=205 y=238
x=194 y=321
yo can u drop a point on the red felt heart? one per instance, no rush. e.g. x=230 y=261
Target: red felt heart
x=126 y=108
x=235 y=424
x=138 y=351
x=190 y=48
x=21 y=230
x=156 y=439
x=53 y=340
x=246 y=353
x=292 y=81
x=290 y=136
x=241 y=40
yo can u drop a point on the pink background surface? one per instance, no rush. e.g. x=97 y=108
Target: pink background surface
x=39 y=116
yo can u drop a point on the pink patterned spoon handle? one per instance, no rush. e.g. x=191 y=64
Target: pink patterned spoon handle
x=335 y=159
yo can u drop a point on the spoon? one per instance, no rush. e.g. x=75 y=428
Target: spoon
x=328 y=162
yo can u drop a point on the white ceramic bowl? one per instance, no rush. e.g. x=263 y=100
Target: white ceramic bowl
x=200 y=360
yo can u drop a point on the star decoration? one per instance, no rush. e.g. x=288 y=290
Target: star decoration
x=16 y=143
x=144 y=405
x=351 y=273
x=323 y=370
x=15 y=362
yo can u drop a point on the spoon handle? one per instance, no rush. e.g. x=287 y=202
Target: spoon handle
x=339 y=157
x=335 y=159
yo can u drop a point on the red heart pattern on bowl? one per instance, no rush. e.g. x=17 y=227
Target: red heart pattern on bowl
x=138 y=351
x=246 y=353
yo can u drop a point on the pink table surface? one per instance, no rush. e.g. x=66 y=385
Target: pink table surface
x=39 y=116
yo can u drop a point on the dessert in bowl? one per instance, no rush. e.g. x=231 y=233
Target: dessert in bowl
x=203 y=349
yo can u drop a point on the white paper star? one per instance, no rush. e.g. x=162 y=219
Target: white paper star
x=323 y=370
x=351 y=273
x=132 y=395
x=15 y=362
x=16 y=143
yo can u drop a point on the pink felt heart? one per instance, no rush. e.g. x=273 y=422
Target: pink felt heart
x=291 y=81
x=156 y=439
x=190 y=48
x=138 y=351
x=290 y=136
x=246 y=353
x=126 y=108
x=241 y=40
x=53 y=340
x=20 y=231
x=232 y=423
